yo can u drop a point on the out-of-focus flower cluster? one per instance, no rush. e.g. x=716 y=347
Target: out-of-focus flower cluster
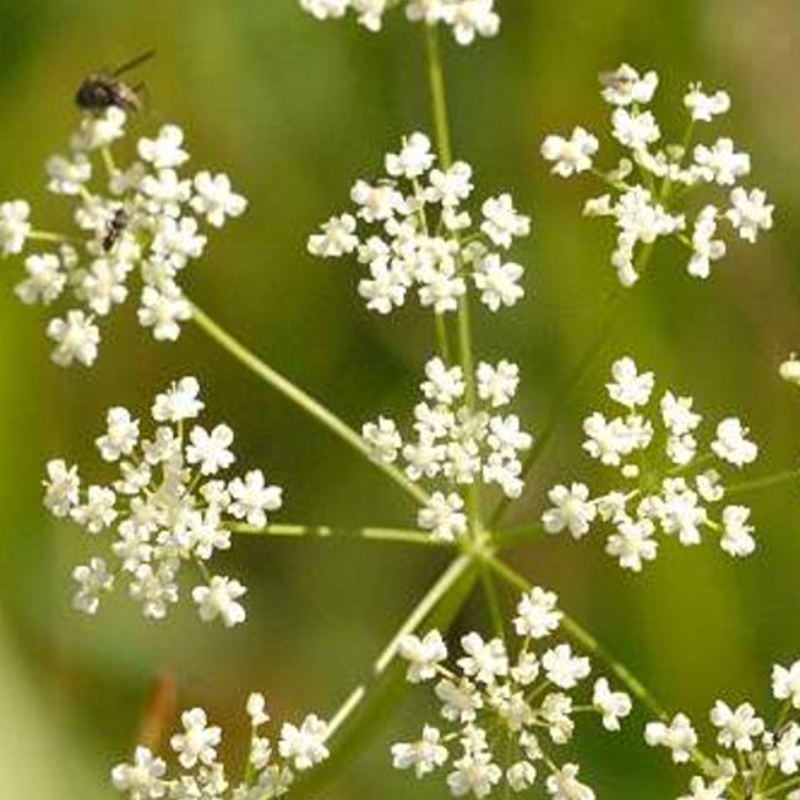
x=505 y=714
x=410 y=232
x=754 y=759
x=670 y=481
x=201 y=775
x=466 y=18
x=143 y=218
x=651 y=185
x=167 y=506
x=460 y=438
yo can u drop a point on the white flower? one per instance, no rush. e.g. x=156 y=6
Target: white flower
x=521 y=776
x=737 y=538
x=210 y=450
x=474 y=773
x=625 y=86
x=444 y=384
x=702 y=791
x=786 y=755
x=444 y=517
x=199 y=740
x=163 y=310
x=219 y=600
x=789 y=370
x=93 y=579
x=99 y=510
x=721 y=163
x=304 y=746
x=337 y=238
x=257 y=709
x=76 y=339
x=563 y=784
x=215 y=200
x=14 y=226
x=414 y=159
x=732 y=444
x=706 y=248
x=737 y=727
x=449 y=187
x=142 y=779
x=537 y=615
x=180 y=402
x=635 y=129
x=750 y=213
x=164 y=152
x=424 y=755
x=423 y=655
x=704 y=107
x=384 y=439
x=679 y=736
x=483 y=661
x=252 y=498
x=68 y=175
x=629 y=388
x=563 y=668
x=573 y=155
x=498 y=282
x=612 y=705
x=786 y=683
x=572 y=510
x=497 y=383
x=502 y=223
x=62 y=488
x=45 y=281
x=121 y=437
x=633 y=543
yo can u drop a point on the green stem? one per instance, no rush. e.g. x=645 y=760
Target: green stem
x=441 y=337
x=764 y=483
x=438 y=96
x=393 y=535
x=301 y=399
x=493 y=601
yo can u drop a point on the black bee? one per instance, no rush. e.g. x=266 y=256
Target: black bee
x=116 y=227
x=103 y=90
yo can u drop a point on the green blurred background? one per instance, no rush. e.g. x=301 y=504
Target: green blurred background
x=295 y=110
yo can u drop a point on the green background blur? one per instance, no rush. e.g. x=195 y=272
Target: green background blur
x=295 y=110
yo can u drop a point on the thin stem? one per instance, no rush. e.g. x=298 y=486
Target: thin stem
x=301 y=399
x=49 y=236
x=393 y=535
x=438 y=96
x=442 y=339
x=434 y=595
x=493 y=601
x=764 y=483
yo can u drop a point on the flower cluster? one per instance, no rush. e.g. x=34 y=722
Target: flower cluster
x=168 y=505
x=651 y=183
x=144 y=218
x=467 y=18
x=669 y=480
x=410 y=231
x=506 y=714
x=269 y=773
x=755 y=760
x=460 y=438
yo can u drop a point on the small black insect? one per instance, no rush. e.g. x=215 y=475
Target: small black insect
x=104 y=90
x=116 y=227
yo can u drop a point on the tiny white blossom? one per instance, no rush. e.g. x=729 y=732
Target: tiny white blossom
x=424 y=755
x=573 y=155
x=423 y=655
x=219 y=600
x=679 y=736
x=304 y=746
x=732 y=444
x=786 y=683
